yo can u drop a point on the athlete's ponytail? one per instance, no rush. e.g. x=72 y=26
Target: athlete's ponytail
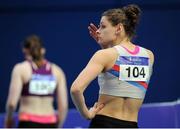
x=34 y=44
x=132 y=13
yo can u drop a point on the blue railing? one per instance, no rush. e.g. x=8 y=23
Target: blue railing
x=158 y=115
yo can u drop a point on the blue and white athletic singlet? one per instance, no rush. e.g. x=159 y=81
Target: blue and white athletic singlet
x=129 y=76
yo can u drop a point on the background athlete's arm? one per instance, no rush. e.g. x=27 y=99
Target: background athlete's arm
x=62 y=100
x=14 y=94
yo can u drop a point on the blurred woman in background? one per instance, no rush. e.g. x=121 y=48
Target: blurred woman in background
x=35 y=82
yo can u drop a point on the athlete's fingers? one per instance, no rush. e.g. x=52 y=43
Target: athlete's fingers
x=99 y=107
x=93 y=27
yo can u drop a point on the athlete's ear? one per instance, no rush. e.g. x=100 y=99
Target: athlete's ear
x=119 y=28
x=43 y=51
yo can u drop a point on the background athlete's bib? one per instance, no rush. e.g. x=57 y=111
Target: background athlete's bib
x=42 y=84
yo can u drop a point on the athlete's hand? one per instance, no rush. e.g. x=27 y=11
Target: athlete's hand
x=94 y=110
x=92 y=31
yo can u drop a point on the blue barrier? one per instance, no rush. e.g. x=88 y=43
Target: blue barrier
x=158 y=115
x=177 y=120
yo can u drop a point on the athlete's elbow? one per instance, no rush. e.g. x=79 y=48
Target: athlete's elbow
x=75 y=89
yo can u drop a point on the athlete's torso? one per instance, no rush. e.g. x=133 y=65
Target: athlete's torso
x=123 y=87
x=37 y=97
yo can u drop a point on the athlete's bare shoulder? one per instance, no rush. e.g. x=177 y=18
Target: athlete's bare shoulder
x=151 y=55
x=108 y=50
x=56 y=69
x=107 y=53
x=105 y=57
x=21 y=65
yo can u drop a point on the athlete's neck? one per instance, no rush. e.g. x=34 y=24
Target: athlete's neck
x=40 y=62
x=123 y=41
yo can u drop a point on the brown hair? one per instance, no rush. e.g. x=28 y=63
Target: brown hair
x=128 y=15
x=34 y=44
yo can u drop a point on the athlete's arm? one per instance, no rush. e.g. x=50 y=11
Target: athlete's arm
x=14 y=94
x=151 y=55
x=62 y=99
x=95 y=66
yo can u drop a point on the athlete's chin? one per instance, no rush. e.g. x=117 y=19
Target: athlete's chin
x=101 y=42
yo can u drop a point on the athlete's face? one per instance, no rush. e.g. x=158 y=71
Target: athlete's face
x=106 y=32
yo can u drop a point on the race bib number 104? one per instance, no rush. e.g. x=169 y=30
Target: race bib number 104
x=134 y=69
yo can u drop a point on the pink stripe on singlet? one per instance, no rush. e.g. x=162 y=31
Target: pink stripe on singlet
x=38 y=118
x=136 y=50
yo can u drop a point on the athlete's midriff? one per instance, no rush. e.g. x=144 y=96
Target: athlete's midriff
x=37 y=105
x=119 y=107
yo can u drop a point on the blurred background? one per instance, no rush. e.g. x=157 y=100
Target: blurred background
x=62 y=24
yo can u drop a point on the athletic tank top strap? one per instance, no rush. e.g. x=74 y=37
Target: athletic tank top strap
x=121 y=49
x=44 y=69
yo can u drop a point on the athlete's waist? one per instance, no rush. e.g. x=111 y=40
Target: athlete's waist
x=119 y=107
x=37 y=110
x=38 y=118
x=115 y=121
x=37 y=105
x=119 y=115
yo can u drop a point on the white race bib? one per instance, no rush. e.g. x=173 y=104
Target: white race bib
x=134 y=68
x=42 y=85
